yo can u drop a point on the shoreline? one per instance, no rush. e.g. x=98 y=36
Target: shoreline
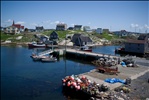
x=26 y=44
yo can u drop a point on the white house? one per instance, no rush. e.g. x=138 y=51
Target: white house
x=61 y=27
x=39 y=29
x=12 y=30
x=87 y=29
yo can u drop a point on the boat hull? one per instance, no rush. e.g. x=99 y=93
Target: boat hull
x=30 y=45
x=49 y=59
x=89 y=50
x=38 y=58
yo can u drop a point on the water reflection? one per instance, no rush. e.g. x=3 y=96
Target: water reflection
x=24 y=79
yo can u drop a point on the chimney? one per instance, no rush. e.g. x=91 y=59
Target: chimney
x=13 y=22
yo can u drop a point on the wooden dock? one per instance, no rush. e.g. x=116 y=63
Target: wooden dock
x=88 y=56
x=88 y=53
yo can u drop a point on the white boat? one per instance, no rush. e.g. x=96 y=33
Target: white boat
x=85 y=48
x=35 y=44
x=49 y=59
x=37 y=58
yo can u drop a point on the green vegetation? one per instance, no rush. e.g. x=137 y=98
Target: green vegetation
x=25 y=38
x=61 y=34
x=106 y=36
x=28 y=37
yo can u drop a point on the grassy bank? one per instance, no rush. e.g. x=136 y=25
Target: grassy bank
x=28 y=37
x=25 y=37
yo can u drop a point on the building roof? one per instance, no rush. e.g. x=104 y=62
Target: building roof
x=39 y=28
x=53 y=33
x=17 y=25
x=22 y=27
x=85 y=39
x=81 y=37
x=61 y=25
x=75 y=36
x=70 y=28
x=86 y=27
x=143 y=36
x=77 y=25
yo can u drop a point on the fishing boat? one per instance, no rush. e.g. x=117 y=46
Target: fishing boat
x=120 y=50
x=49 y=59
x=85 y=48
x=36 y=44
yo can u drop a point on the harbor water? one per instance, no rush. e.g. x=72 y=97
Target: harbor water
x=24 y=79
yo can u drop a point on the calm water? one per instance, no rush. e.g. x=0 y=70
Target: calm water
x=24 y=79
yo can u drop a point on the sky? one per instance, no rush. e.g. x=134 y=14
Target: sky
x=113 y=15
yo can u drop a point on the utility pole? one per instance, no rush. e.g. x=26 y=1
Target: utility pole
x=65 y=42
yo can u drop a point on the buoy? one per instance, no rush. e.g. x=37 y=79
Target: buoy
x=68 y=84
x=78 y=87
x=83 y=77
x=74 y=83
x=64 y=80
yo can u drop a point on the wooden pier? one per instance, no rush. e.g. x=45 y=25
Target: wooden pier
x=89 y=56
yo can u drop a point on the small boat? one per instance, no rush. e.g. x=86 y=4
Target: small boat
x=37 y=58
x=49 y=59
x=120 y=50
x=36 y=44
x=85 y=48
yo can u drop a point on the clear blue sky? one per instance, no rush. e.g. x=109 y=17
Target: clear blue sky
x=115 y=15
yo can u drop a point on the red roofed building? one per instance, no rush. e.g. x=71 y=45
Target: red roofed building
x=21 y=28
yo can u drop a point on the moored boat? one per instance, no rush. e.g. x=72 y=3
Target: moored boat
x=85 y=48
x=120 y=50
x=36 y=44
x=37 y=58
x=49 y=59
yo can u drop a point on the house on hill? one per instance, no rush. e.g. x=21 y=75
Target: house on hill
x=106 y=31
x=53 y=36
x=11 y=30
x=39 y=29
x=87 y=29
x=61 y=27
x=70 y=28
x=81 y=40
x=99 y=30
x=77 y=27
x=20 y=28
